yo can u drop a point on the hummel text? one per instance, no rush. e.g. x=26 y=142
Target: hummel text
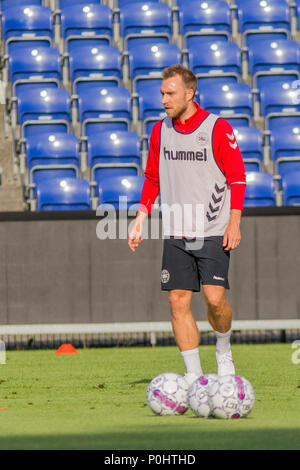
x=185 y=155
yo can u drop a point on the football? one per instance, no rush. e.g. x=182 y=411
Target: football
x=167 y=394
x=198 y=395
x=231 y=396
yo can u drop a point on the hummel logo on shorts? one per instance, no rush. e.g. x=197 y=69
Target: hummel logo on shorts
x=219 y=278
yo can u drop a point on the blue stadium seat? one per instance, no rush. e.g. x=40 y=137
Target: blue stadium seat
x=291 y=188
x=250 y=144
x=271 y=59
x=270 y=18
x=204 y=20
x=260 y=189
x=90 y=65
x=43 y=110
x=285 y=149
x=34 y=65
x=86 y=22
x=122 y=3
x=68 y=3
x=146 y=23
x=216 y=61
x=151 y=109
x=280 y=104
x=7 y=3
x=112 y=188
x=24 y=25
x=104 y=109
x=52 y=155
x=146 y=62
x=113 y=154
x=63 y=194
x=232 y=101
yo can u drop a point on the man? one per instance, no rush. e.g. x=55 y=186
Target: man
x=194 y=162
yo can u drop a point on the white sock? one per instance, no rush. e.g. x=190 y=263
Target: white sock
x=223 y=342
x=192 y=361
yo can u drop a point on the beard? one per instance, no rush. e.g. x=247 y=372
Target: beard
x=176 y=113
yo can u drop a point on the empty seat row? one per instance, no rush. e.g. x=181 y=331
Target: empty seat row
x=53 y=109
x=60 y=155
x=261 y=190
x=120 y=152
x=42 y=65
x=118 y=192
x=270 y=60
x=281 y=59
x=146 y=22
x=61 y=194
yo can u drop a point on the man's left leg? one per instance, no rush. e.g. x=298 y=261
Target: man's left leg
x=186 y=332
x=219 y=316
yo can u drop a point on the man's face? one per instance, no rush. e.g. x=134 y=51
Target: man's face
x=175 y=97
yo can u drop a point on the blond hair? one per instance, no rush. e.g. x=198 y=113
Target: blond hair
x=188 y=78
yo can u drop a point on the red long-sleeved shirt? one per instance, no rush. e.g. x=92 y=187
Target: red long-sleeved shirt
x=225 y=149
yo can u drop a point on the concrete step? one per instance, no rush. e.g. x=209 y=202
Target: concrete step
x=11 y=198
x=11 y=194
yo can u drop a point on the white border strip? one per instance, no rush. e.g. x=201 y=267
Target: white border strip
x=138 y=327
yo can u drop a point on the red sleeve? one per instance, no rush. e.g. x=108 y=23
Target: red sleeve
x=151 y=185
x=230 y=161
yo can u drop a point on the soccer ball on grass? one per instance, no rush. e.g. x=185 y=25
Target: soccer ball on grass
x=167 y=394
x=232 y=396
x=198 y=395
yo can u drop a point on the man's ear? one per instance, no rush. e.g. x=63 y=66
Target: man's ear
x=190 y=94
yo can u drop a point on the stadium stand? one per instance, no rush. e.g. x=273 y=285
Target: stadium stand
x=122 y=3
x=26 y=24
x=279 y=104
x=73 y=67
x=146 y=62
x=102 y=108
x=62 y=194
x=218 y=60
x=285 y=149
x=68 y=3
x=113 y=154
x=250 y=142
x=268 y=18
x=31 y=65
x=270 y=60
x=51 y=155
x=91 y=23
x=291 y=188
x=89 y=65
x=46 y=109
x=113 y=188
x=150 y=107
x=232 y=101
x=7 y=3
x=200 y=21
x=260 y=189
x=145 y=22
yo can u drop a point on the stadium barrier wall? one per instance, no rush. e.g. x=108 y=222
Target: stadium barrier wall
x=55 y=270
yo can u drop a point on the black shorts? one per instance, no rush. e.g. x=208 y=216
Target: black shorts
x=187 y=263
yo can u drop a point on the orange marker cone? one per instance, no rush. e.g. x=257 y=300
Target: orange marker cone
x=66 y=349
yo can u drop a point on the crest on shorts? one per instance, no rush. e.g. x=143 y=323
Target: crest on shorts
x=202 y=138
x=165 y=276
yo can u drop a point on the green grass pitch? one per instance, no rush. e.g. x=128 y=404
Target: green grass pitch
x=96 y=400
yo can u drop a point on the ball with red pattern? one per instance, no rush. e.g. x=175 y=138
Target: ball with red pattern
x=167 y=394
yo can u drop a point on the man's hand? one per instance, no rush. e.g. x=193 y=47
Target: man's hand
x=232 y=235
x=135 y=235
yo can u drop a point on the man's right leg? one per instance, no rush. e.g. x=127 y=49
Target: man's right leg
x=186 y=332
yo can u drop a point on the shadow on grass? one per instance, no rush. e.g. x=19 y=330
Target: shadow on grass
x=168 y=438
x=143 y=381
